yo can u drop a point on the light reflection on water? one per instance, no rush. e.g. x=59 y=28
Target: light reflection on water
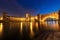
x=31 y=29
x=1 y=29
x=52 y=24
x=21 y=26
x=37 y=25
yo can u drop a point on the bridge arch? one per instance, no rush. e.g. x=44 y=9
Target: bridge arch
x=53 y=17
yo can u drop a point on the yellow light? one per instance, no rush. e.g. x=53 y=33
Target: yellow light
x=31 y=30
x=54 y=15
x=1 y=28
x=37 y=25
x=21 y=26
x=1 y=18
x=36 y=17
x=31 y=26
x=27 y=15
x=49 y=17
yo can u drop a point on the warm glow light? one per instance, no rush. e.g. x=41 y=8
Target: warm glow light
x=37 y=25
x=53 y=15
x=49 y=17
x=53 y=26
x=31 y=26
x=36 y=17
x=21 y=26
x=1 y=18
x=32 y=18
x=31 y=29
x=27 y=15
x=1 y=28
x=22 y=19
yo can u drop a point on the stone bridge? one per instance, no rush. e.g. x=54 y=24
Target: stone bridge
x=32 y=18
x=40 y=19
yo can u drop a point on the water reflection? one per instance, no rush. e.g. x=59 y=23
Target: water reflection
x=31 y=29
x=29 y=26
x=52 y=24
x=21 y=25
x=37 y=25
x=1 y=29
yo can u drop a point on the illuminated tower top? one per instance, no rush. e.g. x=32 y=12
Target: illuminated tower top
x=27 y=15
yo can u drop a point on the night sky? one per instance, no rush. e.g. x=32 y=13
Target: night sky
x=33 y=7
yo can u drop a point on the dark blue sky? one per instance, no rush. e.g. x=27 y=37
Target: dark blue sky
x=33 y=7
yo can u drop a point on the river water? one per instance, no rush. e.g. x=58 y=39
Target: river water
x=21 y=31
